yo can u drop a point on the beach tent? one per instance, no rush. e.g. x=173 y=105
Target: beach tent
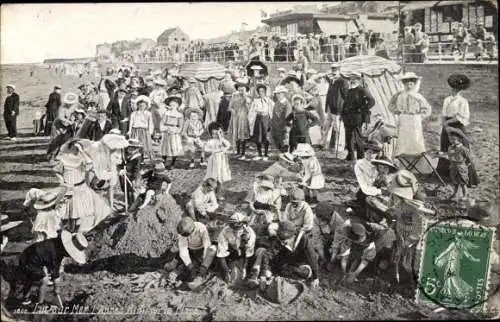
x=380 y=77
x=209 y=76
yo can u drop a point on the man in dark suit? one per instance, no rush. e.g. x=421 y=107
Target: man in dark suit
x=119 y=110
x=11 y=111
x=52 y=109
x=337 y=90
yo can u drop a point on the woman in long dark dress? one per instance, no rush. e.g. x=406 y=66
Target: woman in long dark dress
x=455 y=115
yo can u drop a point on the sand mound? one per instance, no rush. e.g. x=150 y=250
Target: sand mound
x=150 y=234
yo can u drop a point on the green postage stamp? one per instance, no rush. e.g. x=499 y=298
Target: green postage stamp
x=455 y=265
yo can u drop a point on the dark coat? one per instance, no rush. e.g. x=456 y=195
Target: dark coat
x=118 y=113
x=48 y=253
x=91 y=130
x=336 y=95
x=356 y=109
x=11 y=105
x=52 y=106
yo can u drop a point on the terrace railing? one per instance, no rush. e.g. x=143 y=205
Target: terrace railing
x=441 y=51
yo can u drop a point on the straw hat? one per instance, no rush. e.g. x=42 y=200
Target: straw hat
x=409 y=76
x=192 y=80
x=143 y=98
x=459 y=81
x=70 y=98
x=304 y=150
x=49 y=199
x=404 y=184
x=114 y=141
x=266 y=182
x=75 y=245
x=280 y=89
x=10 y=86
x=386 y=162
x=172 y=99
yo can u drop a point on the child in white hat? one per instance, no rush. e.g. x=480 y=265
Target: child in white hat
x=311 y=175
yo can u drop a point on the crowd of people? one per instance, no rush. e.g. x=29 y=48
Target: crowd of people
x=104 y=137
x=414 y=47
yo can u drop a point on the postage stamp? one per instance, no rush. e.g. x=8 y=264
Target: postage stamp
x=455 y=265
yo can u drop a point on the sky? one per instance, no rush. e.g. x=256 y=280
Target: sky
x=33 y=32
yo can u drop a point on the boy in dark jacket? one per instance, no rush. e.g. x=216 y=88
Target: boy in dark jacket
x=291 y=250
x=298 y=123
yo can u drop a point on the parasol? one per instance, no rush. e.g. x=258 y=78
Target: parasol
x=202 y=71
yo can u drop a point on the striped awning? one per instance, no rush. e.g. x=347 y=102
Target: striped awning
x=202 y=71
x=372 y=66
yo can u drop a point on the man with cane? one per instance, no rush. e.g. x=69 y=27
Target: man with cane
x=337 y=90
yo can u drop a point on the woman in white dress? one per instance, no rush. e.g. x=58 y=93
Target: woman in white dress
x=410 y=107
x=87 y=207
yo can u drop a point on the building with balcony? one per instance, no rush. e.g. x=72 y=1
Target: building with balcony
x=438 y=18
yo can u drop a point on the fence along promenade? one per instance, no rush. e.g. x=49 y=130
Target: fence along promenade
x=440 y=51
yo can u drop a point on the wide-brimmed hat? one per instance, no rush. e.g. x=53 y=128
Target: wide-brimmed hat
x=252 y=65
x=173 y=98
x=49 y=199
x=280 y=89
x=237 y=219
x=70 y=98
x=355 y=232
x=10 y=224
x=281 y=69
x=11 y=86
x=404 y=184
x=196 y=110
x=265 y=181
x=459 y=81
x=142 y=98
x=304 y=150
x=192 y=80
x=385 y=161
x=335 y=65
x=160 y=82
x=409 y=76
x=115 y=141
x=75 y=245
x=57 y=87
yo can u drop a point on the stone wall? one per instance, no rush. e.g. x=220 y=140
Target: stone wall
x=484 y=77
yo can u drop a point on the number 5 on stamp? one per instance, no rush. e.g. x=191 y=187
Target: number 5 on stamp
x=455 y=265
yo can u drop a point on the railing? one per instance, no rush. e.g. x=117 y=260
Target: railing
x=441 y=51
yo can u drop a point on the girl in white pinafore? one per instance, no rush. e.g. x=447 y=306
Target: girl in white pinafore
x=171 y=126
x=218 y=164
x=87 y=207
x=311 y=175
